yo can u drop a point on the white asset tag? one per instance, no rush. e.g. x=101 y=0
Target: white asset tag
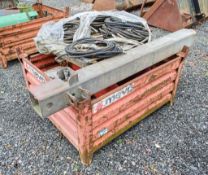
x=35 y=73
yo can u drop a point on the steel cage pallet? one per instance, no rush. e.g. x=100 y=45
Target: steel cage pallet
x=89 y=125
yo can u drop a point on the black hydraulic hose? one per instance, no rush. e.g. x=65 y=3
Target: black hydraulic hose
x=69 y=30
x=108 y=27
x=130 y=30
x=93 y=48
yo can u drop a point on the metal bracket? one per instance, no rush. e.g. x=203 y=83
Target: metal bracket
x=94 y=78
x=84 y=95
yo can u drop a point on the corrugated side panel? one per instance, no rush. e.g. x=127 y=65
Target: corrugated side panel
x=21 y=35
x=66 y=119
x=149 y=91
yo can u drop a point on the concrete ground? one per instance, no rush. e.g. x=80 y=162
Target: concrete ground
x=173 y=140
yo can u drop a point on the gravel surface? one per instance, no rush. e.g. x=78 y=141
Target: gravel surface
x=174 y=140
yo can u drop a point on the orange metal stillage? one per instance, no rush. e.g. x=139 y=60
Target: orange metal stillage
x=94 y=122
x=21 y=35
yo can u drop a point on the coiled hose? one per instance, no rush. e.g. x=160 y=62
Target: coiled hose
x=134 y=31
x=109 y=28
x=93 y=48
x=69 y=30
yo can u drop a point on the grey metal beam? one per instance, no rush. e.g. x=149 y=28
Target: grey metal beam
x=53 y=96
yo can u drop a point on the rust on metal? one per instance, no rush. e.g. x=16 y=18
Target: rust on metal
x=173 y=15
x=94 y=121
x=21 y=35
x=101 y=5
x=166 y=15
x=183 y=54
